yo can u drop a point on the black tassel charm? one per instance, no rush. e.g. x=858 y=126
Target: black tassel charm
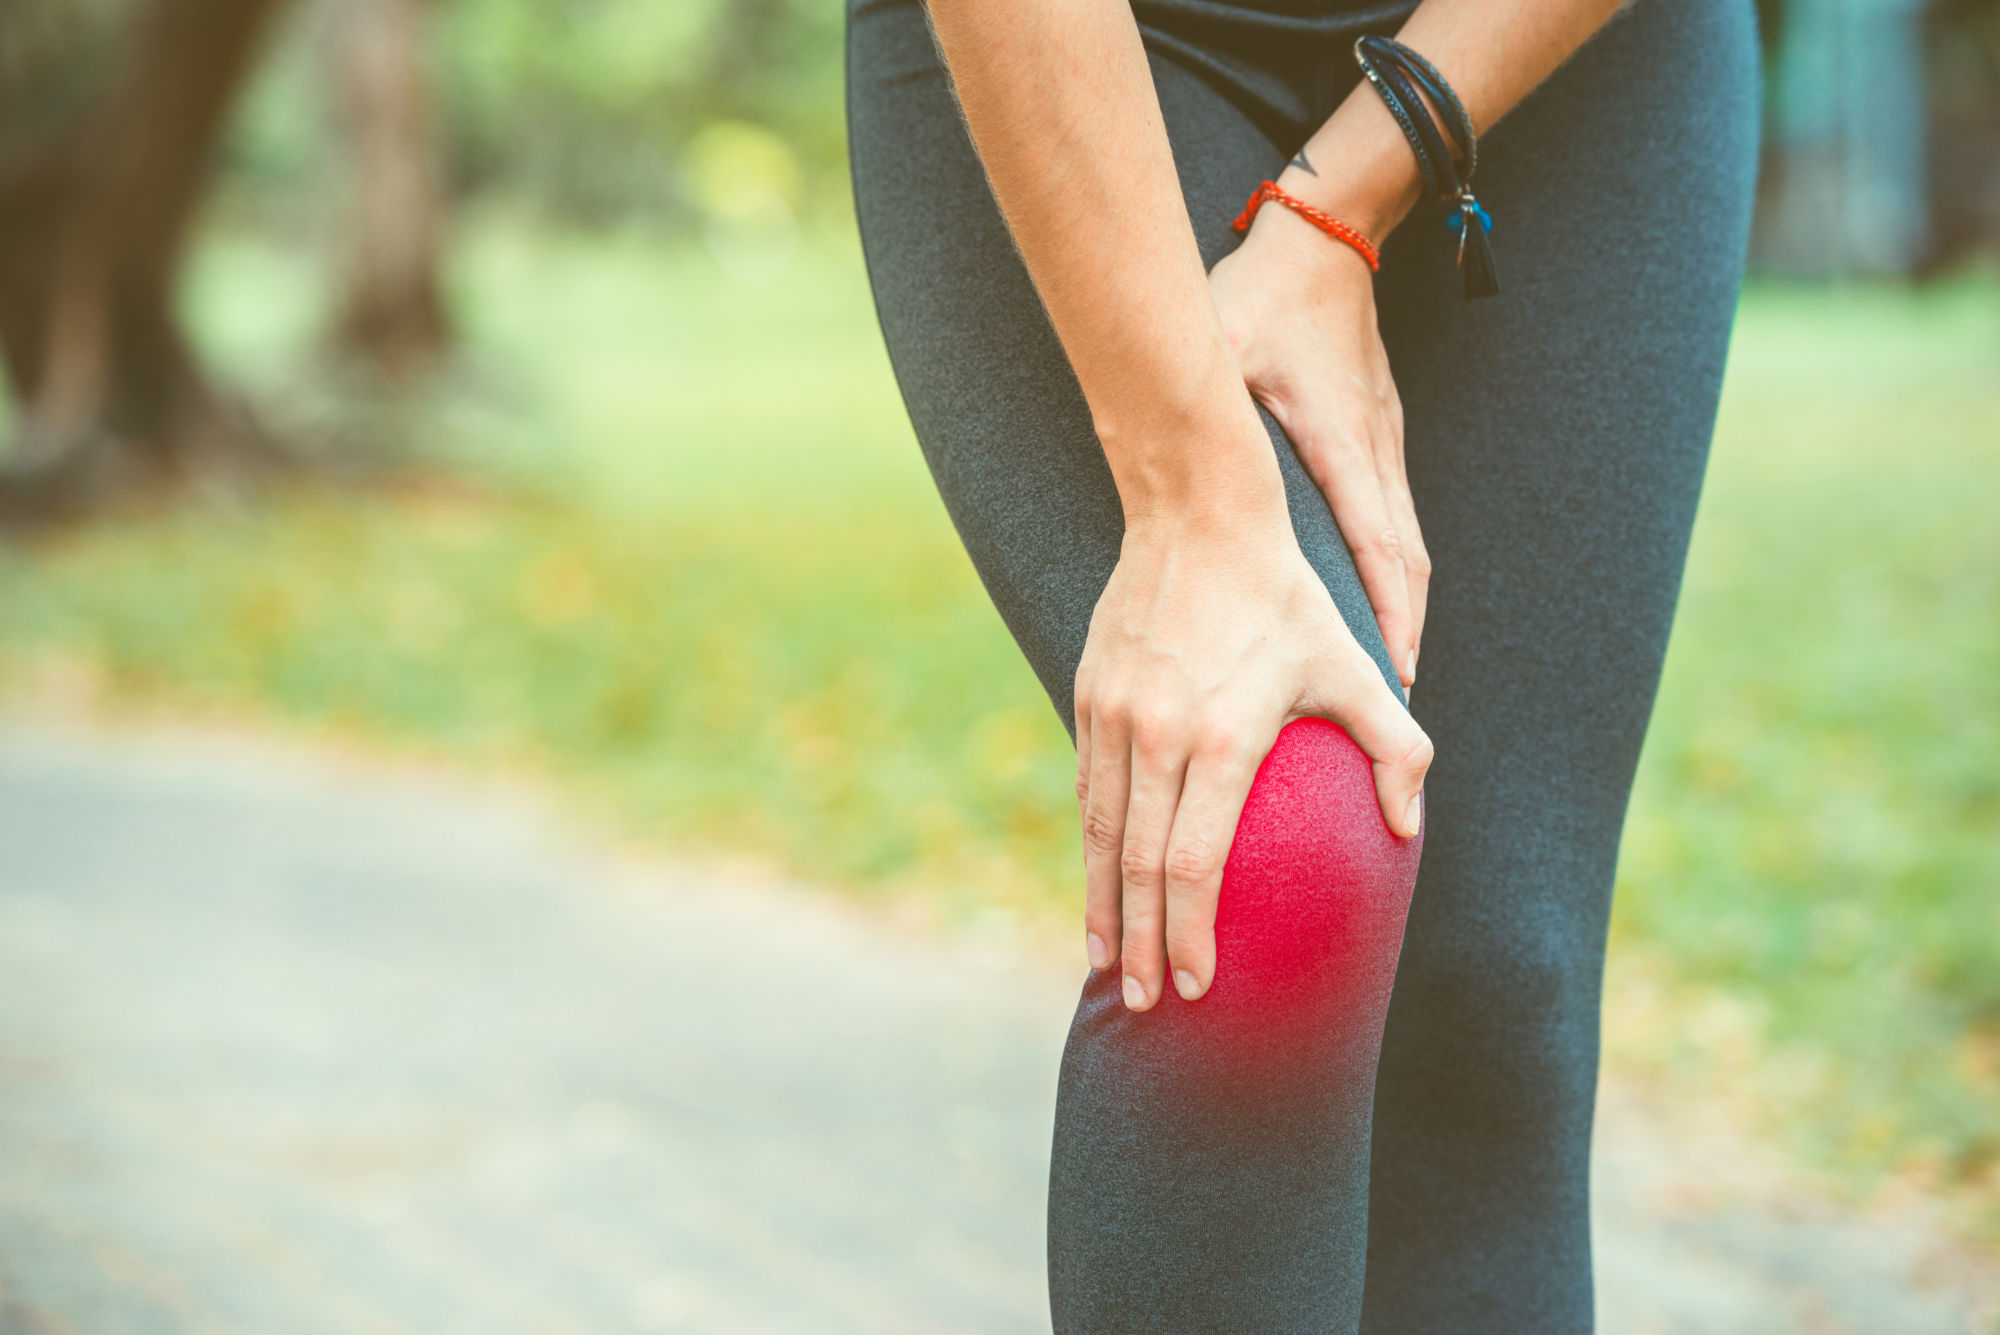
x=1402 y=78
x=1475 y=253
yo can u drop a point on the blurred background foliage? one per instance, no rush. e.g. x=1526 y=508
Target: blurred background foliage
x=509 y=391
x=587 y=111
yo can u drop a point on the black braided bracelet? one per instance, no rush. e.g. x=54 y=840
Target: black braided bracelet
x=1432 y=82
x=1400 y=77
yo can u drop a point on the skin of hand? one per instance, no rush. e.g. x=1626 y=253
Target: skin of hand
x=1212 y=632
x=1298 y=308
x=1173 y=722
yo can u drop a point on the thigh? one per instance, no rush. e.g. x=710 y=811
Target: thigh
x=996 y=407
x=1556 y=438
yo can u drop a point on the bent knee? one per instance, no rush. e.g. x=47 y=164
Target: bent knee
x=1317 y=887
x=1518 y=1001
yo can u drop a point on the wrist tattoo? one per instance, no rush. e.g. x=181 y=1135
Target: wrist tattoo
x=1303 y=163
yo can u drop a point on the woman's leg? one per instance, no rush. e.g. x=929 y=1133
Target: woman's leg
x=1210 y=1170
x=1556 y=439
x=1210 y=1161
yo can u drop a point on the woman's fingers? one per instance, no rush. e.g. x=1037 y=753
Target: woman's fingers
x=1106 y=787
x=1355 y=696
x=1355 y=495
x=1395 y=484
x=1097 y=947
x=1153 y=863
x=1218 y=781
x=1355 y=457
x=1158 y=764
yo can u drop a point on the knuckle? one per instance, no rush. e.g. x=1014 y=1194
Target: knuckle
x=1274 y=381
x=1419 y=562
x=1102 y=836
x=1192 y=864
x=1351 y=429
x=1111 y=705
x=1084 y=686
x=1152 y=727
x=1375 y=549
x=1419 y=756
x=1216 y=741
x=1140 y=868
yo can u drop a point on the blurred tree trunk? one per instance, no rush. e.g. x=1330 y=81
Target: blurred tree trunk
x=392 y=311
x=93 y=224
x=1963 y=86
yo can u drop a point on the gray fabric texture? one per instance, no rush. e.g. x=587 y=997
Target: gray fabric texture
x=1556 y=437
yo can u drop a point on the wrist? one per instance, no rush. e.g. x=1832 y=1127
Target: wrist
x=1230 y=529
x=1359 y=168
x=1206 y=466
x=1373 y=202
x=1281 y=242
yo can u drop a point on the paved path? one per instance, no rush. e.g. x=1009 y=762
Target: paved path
x=294 y=1045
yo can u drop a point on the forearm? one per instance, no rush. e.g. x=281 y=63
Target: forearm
x=1359 y=167
x=1062 y=109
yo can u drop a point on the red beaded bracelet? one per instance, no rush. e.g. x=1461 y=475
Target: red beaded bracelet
x=1326 y=222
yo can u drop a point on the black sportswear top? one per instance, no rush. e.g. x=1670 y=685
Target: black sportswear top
x=1285 y=63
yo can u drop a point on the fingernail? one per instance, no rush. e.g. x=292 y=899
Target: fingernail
x=1410 y=668
x=1413 y=819
x=1093 y=945
x=1135 y=995
x=1185 y=984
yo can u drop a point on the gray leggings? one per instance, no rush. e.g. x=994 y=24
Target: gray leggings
x=1314 y=1149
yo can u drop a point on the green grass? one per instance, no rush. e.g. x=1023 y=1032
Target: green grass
x=709 y=587
x=1817 y=822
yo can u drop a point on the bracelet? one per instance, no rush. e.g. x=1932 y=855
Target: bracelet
x=1441 y=93
x=1400 y=77
x=1326 y=222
